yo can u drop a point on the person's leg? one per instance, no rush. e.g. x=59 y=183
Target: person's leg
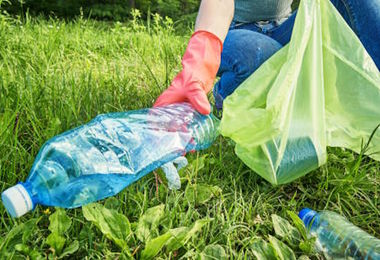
x=243 y=52
x=283 y=32
x=362 y=16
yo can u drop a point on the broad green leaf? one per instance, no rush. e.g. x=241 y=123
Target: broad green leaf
x=148 y=223
x=198 y=164
x=112 y=203
x=283 y=229
x=155 y=245
x=59 y=221
x=201 y=193
x=86 y=233
x=56 y=241
x=35 y=255
x=262 y=250
x=125 y=255
x=307 y=246
x=173 y=239
x=282 y=251
x=22 y=248
x=112 y=224
x=213 y=252
x=190 y=254
x=18 y=234
x=29 y=228
x=72 y=248
x=298 y=223
x=13 y=234
x=177 y=238
x=180 y=239
x=303 y=257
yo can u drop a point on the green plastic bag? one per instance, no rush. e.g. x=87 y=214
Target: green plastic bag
x=322 y=89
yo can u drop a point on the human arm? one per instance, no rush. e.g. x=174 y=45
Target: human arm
x=215 y=16
x=202 y=57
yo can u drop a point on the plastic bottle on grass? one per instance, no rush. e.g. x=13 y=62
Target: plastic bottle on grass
x=339 y=238
x=99 y=159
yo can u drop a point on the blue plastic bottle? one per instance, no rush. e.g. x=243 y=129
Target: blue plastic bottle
x=99 y=159
x=339 y=238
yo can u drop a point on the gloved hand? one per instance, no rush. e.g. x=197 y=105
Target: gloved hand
x=200 y=64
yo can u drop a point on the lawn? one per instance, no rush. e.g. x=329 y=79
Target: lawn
x=56 y=75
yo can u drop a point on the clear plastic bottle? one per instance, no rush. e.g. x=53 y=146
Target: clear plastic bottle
x=99 y=159
x=339 y=238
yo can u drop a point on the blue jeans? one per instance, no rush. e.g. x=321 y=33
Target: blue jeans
x=249 y=45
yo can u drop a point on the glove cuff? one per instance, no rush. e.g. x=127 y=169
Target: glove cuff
x=212 y=37
x=202 y=58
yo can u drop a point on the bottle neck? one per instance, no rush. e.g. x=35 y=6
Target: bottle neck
x=28 y=187
x=310 y=218
x=205 y=130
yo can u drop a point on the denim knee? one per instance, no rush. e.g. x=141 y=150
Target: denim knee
x=243 y=52
x=364 y=19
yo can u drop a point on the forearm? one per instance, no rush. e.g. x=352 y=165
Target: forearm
x=215 y=16
x=202 y=57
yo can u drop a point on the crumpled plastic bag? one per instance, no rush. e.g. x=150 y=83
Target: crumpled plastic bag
x=171 y=172
x=322 y=89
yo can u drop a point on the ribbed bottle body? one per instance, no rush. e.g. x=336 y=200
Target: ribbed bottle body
x=99 y=159
x=341 y=239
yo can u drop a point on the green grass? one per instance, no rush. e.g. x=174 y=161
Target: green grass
x=56 y=75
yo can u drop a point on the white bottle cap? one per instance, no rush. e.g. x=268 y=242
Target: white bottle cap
x=17 y=200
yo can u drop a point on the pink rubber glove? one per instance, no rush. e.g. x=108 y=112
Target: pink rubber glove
x=200 y=64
